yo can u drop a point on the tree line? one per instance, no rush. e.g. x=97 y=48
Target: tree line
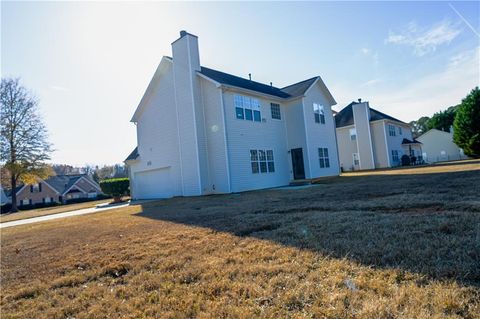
x=464 y=118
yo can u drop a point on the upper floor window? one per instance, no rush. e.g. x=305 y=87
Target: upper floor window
x=353 y=134
x=275 y=109
x=36 y=188
x=391 y=130
x=247 y=108
x=262 y=161
x=319 y=113
x=323 y=157
x=399 y=130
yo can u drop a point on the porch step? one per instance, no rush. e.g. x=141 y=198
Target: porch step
x=300 y=182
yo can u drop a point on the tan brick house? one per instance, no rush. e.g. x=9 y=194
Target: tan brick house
x=60 y=189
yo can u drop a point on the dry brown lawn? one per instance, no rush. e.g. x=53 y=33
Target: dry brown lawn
x=49 y=210
x=377 y=246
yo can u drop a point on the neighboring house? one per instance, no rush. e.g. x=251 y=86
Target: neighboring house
x=3 y=197
x=202 y=131
x=60 y=189
x=438 y=146
x=369 y=139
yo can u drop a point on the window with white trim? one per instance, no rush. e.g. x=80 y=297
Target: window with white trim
x=323 y=157
x=275 y=109
x=400 y=131
x=319 y=113
x=391 y=130
x=356 y=159
x=353 y=134
x=262 y=161
x=247 y=108
x=395 y=156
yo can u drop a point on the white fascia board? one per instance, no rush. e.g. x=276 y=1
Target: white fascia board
x=251 y=92
x=164 y=63
x=323 y=86
x=217 y=84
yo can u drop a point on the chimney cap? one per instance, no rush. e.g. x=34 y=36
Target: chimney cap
x=359 y=100
x=183 y=33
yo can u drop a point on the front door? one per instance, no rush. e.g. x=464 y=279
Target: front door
x=297 y=163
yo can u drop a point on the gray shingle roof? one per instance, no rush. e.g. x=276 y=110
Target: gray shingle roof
x=407 y=141
x=299 y=88
x=228 y=79
x=345 y=116
x=133 y=155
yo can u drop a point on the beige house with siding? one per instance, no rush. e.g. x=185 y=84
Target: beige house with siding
x=438 y=146
x=59 y=189
x=370 y=139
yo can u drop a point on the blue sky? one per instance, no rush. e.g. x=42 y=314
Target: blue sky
x=89 y=63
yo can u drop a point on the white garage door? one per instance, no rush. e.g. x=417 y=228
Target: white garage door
x=153 y=184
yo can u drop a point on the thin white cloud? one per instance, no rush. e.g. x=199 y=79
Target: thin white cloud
x=371 y=82
x=365 y=51
x=59 y=88
x=425 y=40
x=423 y=96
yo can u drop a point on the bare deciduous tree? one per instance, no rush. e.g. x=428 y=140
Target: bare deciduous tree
x=24 y=147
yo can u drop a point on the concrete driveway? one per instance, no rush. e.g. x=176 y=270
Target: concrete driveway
x=62 y=215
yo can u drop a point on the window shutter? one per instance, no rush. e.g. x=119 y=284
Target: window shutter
x=31 y=188
x=40 y=187
x=30 y=201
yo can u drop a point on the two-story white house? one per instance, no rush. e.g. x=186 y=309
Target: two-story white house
x=202 y=131
x=370 y=139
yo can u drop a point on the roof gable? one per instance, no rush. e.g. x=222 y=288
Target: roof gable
x=165 y=63
x=133 y=155
x=345 y=116
x=298 y=89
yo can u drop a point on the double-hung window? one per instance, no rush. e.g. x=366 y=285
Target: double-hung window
x=323 y=157
x=395 y=156
x=391 y=130
x=399 y=130
x=356 y=159
x=319 y=113
x=275 y=109
x=247 y=108
x=262 y=161
x=353 y=134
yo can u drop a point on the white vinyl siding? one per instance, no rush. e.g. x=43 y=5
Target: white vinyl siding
x=319 y=135
x=244 y=136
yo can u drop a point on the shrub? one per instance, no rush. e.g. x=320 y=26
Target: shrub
x=466 y=133
x=6 y=208
x=116 y=187
x=405 y=160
